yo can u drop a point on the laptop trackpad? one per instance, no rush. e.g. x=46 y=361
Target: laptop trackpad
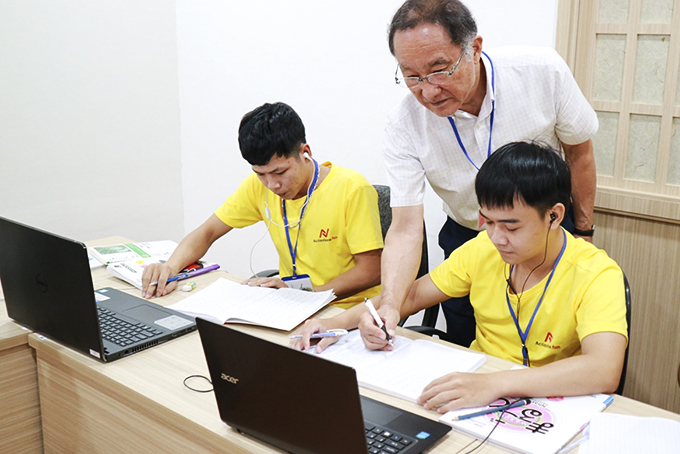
x=378 y=413
x=149 y=315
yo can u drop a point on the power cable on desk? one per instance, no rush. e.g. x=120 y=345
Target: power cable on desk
x=197 y=389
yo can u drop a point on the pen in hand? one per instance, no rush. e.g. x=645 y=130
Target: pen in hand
x=188 y=274
x=378 y=320
x=329 y=333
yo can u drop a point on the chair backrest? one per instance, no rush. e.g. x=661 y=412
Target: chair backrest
x=622 y=381
x=430 y=314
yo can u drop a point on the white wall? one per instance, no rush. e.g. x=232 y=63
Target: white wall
x=89 y=117
x=121 y=117
x=330 y=62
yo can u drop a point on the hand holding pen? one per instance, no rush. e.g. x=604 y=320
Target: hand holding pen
x=316 y=328
x=378 y=320
x=188 y=274
x=158 y=271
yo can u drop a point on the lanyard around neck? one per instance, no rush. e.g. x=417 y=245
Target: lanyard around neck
x=524 y=334
x=493 y=108
x=293 y=250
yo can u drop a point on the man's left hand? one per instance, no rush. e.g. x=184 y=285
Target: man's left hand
x=459 y=390
x=271 y=282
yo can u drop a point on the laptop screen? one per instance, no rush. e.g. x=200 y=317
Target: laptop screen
x=45 y=279
x=299 y=402
x=289 y=399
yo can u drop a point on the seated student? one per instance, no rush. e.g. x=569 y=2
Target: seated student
x=323 y=219
x=528 y=279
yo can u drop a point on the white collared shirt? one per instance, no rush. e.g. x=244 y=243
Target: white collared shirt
x=536 y=98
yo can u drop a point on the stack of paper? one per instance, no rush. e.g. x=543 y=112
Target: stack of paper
x=226 y=301
x=621 y=434
x=404 y=371
x=114 y=253
x=131 y=271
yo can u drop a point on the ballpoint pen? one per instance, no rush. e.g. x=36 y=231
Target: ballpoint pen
x=329 y=333
x=188 y=274
x=517 y=403
x=378 y=320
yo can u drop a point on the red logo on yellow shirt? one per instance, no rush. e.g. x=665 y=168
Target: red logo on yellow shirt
x=325 y=236
x=547 y=343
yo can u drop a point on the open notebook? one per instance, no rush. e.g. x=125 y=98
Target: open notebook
x=225 y=301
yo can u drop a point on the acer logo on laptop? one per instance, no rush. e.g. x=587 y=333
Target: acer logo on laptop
x=229 y=378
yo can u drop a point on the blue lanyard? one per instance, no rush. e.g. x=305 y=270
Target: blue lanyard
x=524 y=334
x=293 y=251
x=493 y=108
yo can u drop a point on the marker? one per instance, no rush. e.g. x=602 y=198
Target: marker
x=517 y=403
x=329 y=333
x=378 y=320
x=189 y=274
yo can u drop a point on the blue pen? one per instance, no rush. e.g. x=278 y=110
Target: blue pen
x=189 y=274
x=329 y=333
x=517 y=403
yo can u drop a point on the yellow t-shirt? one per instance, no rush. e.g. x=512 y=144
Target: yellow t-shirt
x=585 y=296
x=341 y=219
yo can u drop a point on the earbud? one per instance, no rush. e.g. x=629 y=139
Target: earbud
x=306 y=155
x=552 y=217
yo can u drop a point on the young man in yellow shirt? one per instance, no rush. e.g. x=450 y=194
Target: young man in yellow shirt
x=541 y=297
x=322 y=218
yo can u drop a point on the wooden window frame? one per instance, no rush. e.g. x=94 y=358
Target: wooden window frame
x=576 y=29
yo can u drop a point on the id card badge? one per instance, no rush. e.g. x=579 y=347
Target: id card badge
x=300 y=282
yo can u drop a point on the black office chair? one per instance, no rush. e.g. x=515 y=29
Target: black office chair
x=622 y=381
x=430 y=314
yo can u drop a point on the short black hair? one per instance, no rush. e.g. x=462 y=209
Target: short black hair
x=452 y=15
x=530 y=172
x=271 y=129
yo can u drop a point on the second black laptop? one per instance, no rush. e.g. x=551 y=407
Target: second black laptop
x=302 y=403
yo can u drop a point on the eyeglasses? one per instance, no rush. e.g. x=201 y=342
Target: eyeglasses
x=435 y=78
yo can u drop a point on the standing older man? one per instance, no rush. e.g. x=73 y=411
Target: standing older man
x=464 y=103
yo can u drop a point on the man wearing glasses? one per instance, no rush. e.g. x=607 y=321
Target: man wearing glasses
x=464 y=103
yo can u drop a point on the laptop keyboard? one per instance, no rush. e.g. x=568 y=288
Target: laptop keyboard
x=121 y=332
x=382 y=441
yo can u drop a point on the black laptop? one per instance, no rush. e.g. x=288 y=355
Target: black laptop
x=47 y=285
x=302 y=403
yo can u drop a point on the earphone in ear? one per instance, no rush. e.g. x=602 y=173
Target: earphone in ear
x=552 y=217
x=306 y=155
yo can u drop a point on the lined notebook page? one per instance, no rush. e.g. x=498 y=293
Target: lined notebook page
x=406 y=370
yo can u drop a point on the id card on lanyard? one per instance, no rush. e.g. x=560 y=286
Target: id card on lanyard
x=299 y=281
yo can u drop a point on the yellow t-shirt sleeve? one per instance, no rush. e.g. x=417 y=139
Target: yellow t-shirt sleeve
x=246 y=206
x=363 y=220
x=453 y=276
x=600 y=309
